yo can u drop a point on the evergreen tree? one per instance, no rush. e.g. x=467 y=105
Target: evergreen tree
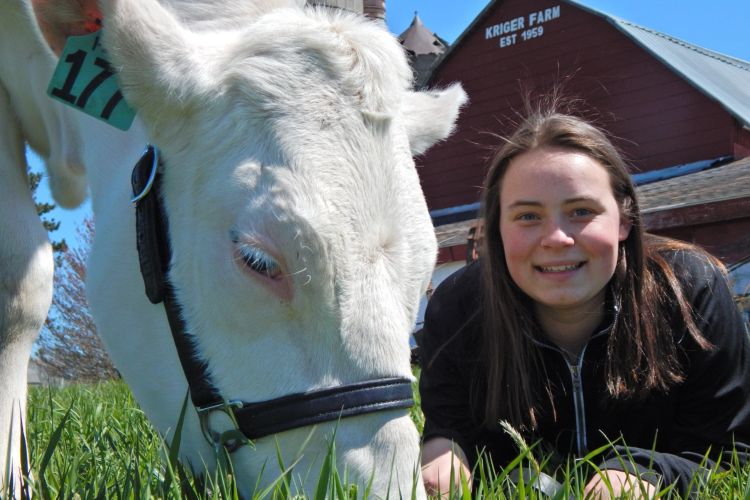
x=50 y=224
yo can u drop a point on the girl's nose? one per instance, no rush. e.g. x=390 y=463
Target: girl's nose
x=557 y=236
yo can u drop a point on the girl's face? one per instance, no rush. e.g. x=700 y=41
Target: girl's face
x=561 y=226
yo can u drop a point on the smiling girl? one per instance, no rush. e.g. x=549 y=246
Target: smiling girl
x=581 y=330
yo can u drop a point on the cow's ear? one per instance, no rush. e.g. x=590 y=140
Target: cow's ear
x=431 y=116
x=59 y=19
x=162 y=66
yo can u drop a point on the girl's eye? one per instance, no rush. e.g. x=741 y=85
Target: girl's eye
x=582 y=212
x=527 y=217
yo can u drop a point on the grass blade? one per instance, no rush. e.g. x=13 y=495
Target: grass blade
x=53 y=442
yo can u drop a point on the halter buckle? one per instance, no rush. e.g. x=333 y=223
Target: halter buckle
x=230 y=440
x=153 y=151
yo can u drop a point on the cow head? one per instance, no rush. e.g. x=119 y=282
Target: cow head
x=301 y=239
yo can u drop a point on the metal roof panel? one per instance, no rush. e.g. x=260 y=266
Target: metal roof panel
x=723 y=78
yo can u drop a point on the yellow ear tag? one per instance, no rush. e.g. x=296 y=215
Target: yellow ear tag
x=85 y=80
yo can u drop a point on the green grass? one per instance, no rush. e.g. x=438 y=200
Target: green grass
x=92 y=441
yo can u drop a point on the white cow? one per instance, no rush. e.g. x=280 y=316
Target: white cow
x=287 y=136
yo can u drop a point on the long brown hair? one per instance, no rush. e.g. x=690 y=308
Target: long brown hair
x=641 y=353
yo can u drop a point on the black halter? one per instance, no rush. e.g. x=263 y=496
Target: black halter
x=252 y=420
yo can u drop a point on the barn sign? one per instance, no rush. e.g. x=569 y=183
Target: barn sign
x=522 y=28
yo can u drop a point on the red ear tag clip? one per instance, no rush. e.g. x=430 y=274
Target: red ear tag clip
x=90 y=20
x=92 y=17
x=90 y=26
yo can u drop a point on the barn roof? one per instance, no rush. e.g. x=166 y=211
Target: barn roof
x=727 y=182
x=420 y=40
x=723 y=78
x=423 y=48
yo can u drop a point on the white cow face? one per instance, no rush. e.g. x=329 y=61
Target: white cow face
x=295 y=211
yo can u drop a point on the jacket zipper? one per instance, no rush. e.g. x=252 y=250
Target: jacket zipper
x=579 y=407
x=578 y=403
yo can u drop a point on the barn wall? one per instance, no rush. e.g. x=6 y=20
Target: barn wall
x=723 y=228
x=662 y=120
x=741 y=141
x=730 y=241
x=452 y=254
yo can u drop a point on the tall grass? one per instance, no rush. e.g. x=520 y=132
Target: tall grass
x=94 y=442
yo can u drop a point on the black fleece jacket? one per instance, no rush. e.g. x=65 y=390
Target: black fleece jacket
x=667 y=434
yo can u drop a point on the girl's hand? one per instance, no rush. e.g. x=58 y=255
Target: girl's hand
x=440 y=458
x=615 y=484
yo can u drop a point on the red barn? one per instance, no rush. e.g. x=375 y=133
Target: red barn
x=680 y=113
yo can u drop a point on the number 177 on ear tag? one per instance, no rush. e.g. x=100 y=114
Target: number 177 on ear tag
x=85 y=80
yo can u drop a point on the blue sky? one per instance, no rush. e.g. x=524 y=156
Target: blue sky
x=720 y=25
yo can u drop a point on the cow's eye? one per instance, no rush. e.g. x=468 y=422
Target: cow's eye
x=259 y=261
